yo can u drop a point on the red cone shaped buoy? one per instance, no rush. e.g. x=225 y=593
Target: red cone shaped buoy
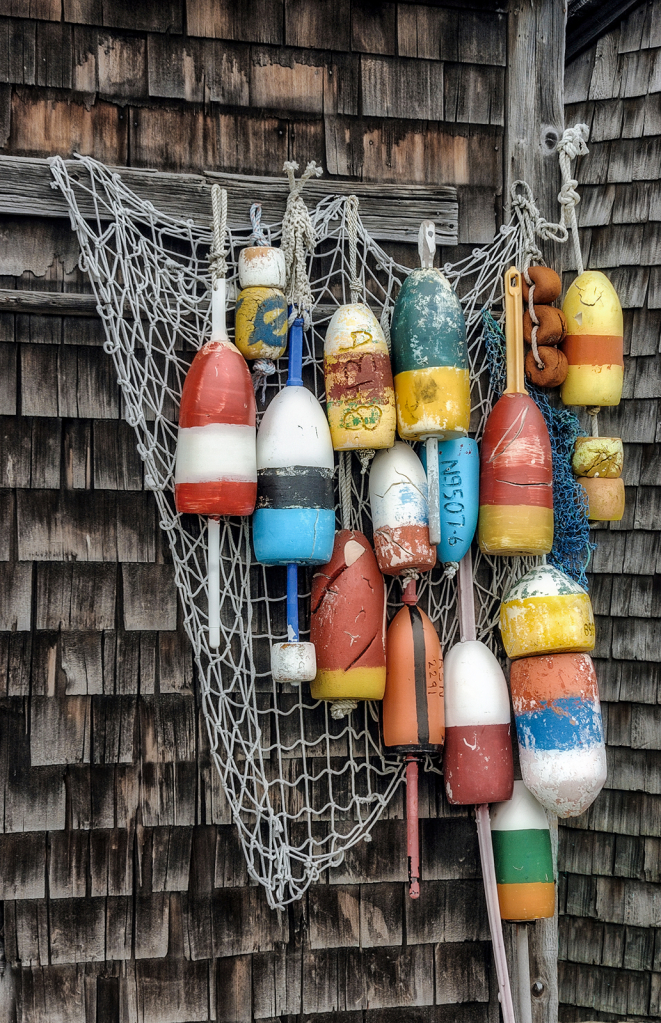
x=216 y=467
x=413 y=717
x=348 y=623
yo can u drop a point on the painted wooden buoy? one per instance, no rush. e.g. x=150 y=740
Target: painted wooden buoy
x=260 y=327
x=593 y=345
x=348 y=623
x=413 y=717
x=606 y=498
x=295 y=518
x=459 y=486
x=559 y=730
x=598 y=457
x=546 y=612
x=398 y=501
x=360 y=398
x=477 y=762
x=430 y=358
x=262 y=266
x=516 y=472
x=215 y=471
x=523 y=857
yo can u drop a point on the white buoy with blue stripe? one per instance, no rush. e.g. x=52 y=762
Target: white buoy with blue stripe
x=294 y=521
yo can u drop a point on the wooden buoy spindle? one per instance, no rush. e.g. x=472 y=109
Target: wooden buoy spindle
x=468 y=633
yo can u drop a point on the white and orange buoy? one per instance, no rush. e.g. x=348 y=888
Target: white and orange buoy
x=347 y=624
x=400 y=516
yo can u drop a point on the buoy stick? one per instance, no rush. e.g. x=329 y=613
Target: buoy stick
x=412 y=826
x=433 y=491
x=292 y=603
x=514 y=332
x=468 y=632
x=218 y=333
x=213 y=554
x=523 y=973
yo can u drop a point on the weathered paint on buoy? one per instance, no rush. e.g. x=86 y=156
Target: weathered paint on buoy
x=593 y=345
x=546 y=612
x=398 y=501
x=516 y=480
x=348 y=623
x=598 y=457
x=215 y=471
x=459 y=476
x=477 y=763
x=559 y=730
x=295 y=518
x=606 y=498
x=360 y=398
x=523 y=857
x=413 y=702
x=262 y=266
x=260 y=327
x=430 y=358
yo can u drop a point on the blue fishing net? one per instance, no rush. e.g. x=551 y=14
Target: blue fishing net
x=572 y=548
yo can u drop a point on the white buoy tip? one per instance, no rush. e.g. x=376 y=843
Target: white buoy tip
x=293 y=662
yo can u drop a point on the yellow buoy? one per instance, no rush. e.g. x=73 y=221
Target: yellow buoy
x=606 y=498
x=546 y=612
x=601 y=457
x=593 y=344
x=260 y=329
x=360 y=395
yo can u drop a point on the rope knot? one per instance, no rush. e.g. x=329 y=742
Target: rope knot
x=298 y=241
x=257 y=237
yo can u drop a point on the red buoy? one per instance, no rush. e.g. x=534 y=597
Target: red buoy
x=216 y=467
x=347 y=624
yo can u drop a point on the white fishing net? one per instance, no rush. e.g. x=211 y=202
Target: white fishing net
x=303 y=787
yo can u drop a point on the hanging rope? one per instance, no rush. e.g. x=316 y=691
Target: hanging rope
x=257 y=237
x=572 y=144
x=262 y=370
x=297 y=242
x=355 y=286
x=217 y=260
x=344 y=480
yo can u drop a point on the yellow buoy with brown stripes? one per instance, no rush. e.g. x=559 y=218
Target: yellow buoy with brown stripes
x=593 y=344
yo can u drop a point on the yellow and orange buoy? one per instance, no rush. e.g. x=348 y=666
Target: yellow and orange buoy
x=546 y=612
x=598 y=461
x=593 y=345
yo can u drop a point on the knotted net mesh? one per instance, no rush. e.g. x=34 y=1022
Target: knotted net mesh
x=302 y=787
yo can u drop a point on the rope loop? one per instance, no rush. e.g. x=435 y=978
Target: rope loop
x=298 y=240
x=342 y=708
x=365 y=455
x=257 y=237
x=217 y=260
x=263 y=369
x=572 y=145
x=355 y=285
x=533 y=225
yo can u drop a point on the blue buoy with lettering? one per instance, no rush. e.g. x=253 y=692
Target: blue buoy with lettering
x=459 y=486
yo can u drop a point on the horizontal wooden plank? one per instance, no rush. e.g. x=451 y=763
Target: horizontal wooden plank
x=389 y=211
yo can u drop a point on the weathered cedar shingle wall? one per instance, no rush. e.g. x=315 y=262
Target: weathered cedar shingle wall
x=610 y=935
x=126 y=895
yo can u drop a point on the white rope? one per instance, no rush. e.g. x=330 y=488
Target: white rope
x=298 y=241
x=217 y=260
x=284 y=763
x=572 y=144
x=355 y=286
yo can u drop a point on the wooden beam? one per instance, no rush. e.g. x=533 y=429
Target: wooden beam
x=389 y=212
x=534 y=102
x=534 y=120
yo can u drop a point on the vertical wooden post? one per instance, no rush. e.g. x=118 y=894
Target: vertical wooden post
x=534 y=123
x=534 y=119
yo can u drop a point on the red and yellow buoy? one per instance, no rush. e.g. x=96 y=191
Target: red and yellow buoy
x=593 y=345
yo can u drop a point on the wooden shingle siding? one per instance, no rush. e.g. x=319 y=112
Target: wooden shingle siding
x=609 y=935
